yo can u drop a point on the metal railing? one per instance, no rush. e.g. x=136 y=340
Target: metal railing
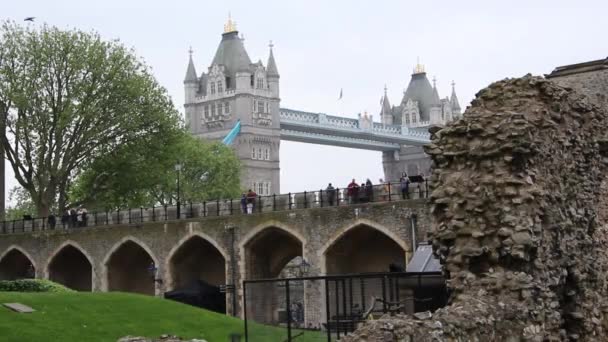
x=260 y=204
x=326 y=308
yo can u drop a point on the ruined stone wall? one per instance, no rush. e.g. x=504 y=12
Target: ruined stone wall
x=517 y=187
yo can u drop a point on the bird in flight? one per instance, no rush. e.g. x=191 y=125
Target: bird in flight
x=29 y=19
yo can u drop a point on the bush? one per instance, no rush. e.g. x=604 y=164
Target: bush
x=32 y=285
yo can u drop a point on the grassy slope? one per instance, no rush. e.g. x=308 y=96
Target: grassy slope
x=108 y=316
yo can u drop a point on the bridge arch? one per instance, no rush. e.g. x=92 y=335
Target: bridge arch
x=126 y=267
x=72 y=266
x=268 y=247
x=363 y=246
x=17 y=263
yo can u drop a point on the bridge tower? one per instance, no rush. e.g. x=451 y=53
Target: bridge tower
x=233 y=89
x=420 y=108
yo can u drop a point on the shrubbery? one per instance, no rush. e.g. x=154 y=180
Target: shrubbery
x=32 y=285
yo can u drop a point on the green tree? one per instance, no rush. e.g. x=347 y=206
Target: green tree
x=22 y=204
x=67 y=98
x=144 y=175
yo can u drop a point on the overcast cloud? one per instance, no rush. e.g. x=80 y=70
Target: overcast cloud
x=323 y=46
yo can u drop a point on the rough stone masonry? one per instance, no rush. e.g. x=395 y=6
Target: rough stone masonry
x=518 y=209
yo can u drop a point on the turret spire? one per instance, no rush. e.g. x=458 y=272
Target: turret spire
x=419 y=68
x=271 y=68
x=454 y=99
x=386 y=105
x=230 y=25
x=436 y=99
x=191 y=71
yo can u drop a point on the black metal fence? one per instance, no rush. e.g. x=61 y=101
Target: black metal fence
x=301 y=200
x=328 y=307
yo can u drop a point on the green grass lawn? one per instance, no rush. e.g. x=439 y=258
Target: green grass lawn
x=107 y=316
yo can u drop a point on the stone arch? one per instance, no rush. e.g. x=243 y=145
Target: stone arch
x=126 y=267
x=198 y=257
x=363 y=246
x=71 y=266
x=17 y=263
x=265 y=251
x=263 y=262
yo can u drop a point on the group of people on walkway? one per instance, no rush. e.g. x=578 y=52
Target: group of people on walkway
x=363 y=193
x=248 y=202
x=72 y=218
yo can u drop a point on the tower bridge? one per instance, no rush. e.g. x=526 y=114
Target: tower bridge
x=234 y=90
x=361 y=133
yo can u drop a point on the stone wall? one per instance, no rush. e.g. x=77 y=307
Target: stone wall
x=515 y=206
x=315 y=231
x=589 y=78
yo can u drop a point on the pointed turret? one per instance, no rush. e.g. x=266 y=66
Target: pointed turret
x=454 y=100
x=271 y=70
x=191 y=71
x=436 y=99
x=386 y=112
x=231 y=52
x=420 y=91
x=386 y=105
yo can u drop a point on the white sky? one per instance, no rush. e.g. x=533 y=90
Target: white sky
x=322 y=46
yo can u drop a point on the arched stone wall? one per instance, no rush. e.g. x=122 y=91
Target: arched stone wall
x=16 y=263
x=127 y=268
x=196 y=256
x=71 y=266
x=363 y=249
x=268 y=248
x=366 y=242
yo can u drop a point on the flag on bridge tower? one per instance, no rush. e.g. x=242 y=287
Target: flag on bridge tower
x=340 y=98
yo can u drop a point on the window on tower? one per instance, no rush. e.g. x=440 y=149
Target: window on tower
x=267 y=154
x=226 y=107
x=261 y=107
x=220 y=87
x=267 y=188
x=213 y=109
x=212 y=87
x=253 y=153
x=259 y=153
x=252 y=78
x=260 y=83
x=206 y=111
x=228 y=85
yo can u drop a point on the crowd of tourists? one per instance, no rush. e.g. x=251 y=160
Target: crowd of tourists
x=364 y=193
x=71 y=218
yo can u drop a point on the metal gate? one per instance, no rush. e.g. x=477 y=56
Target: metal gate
x=328 y=307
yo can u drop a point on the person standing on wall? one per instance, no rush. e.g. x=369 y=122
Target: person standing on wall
x=369 y=189
x=251 y=195
x=352 y=192
x=405 y=186
x=331 y=194
x=244 y=203
x=65 y=219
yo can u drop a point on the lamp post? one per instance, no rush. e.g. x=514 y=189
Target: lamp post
x=304 y=267
x=178 y=168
